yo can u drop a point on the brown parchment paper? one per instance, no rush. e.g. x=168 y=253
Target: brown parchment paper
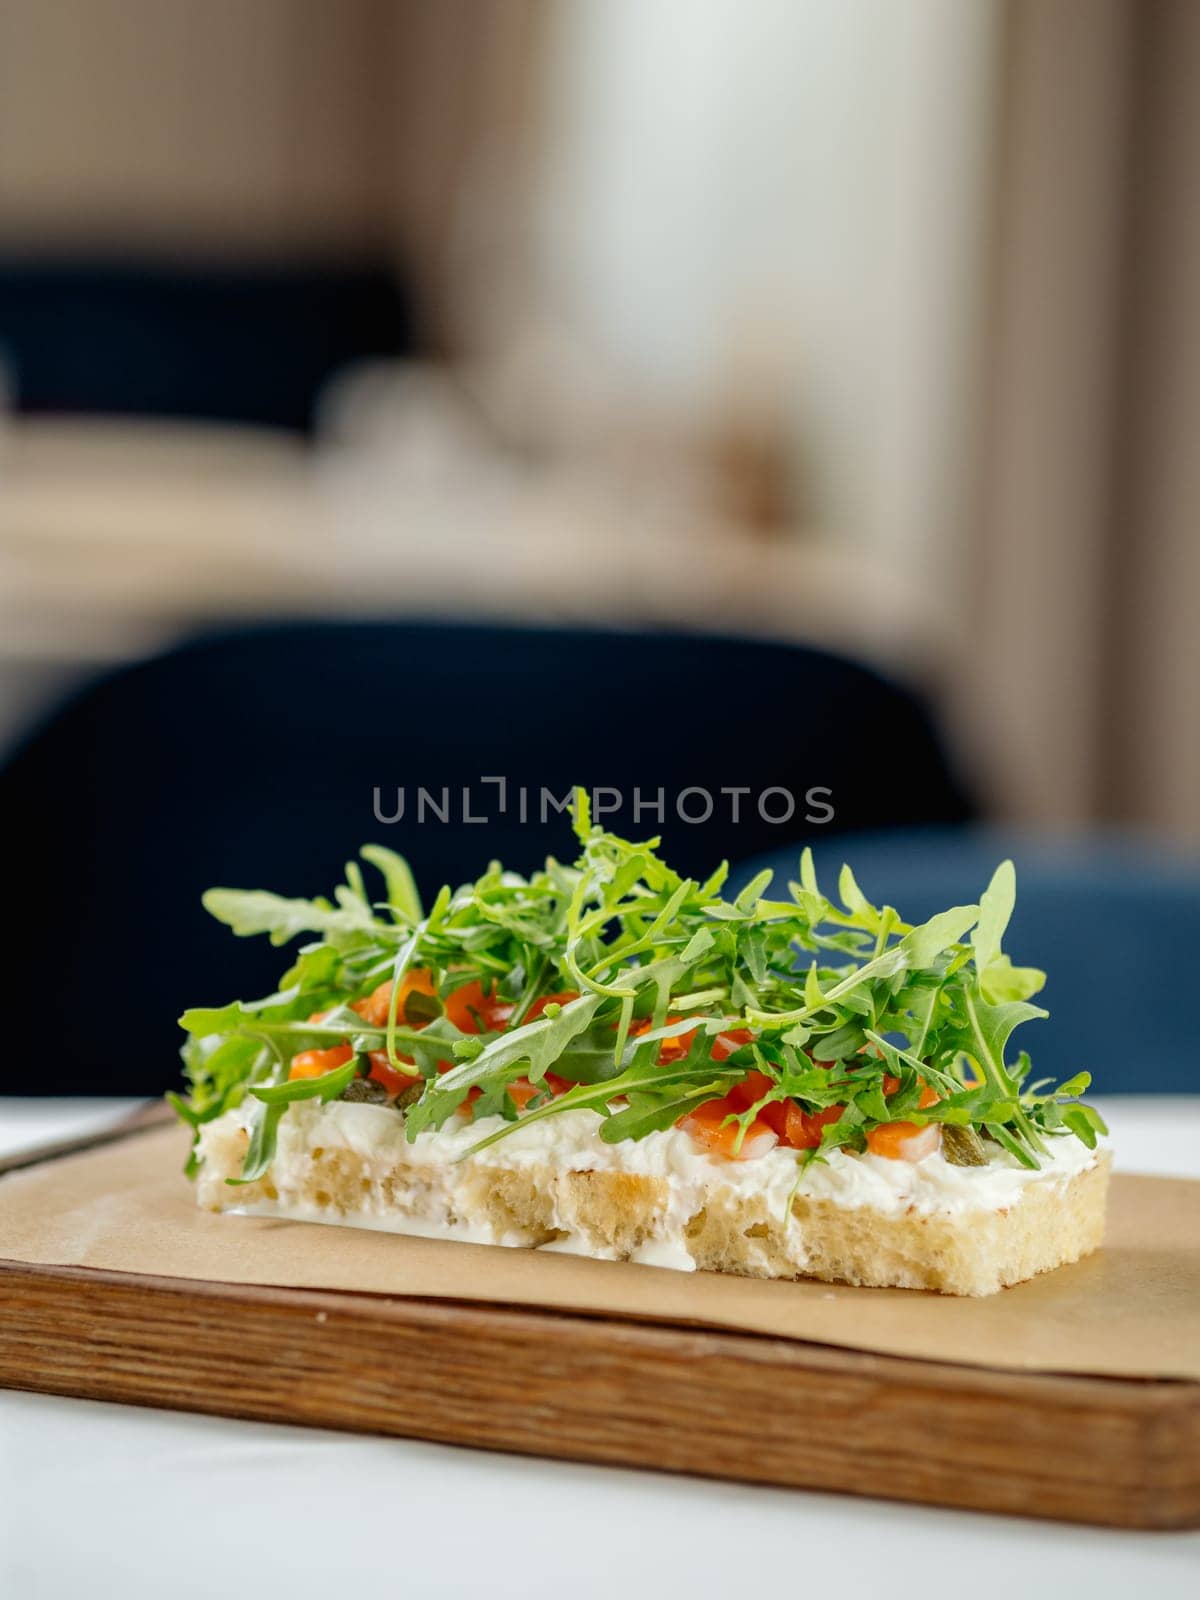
x=1133 y=1309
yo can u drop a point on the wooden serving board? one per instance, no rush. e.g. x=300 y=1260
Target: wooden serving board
x=1115 y=1451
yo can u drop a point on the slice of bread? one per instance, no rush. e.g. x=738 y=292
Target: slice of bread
x=853 y=1219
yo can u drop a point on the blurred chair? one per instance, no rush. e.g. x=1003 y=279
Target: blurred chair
x=1114 y=922
x=252 y=344
x=251 y=759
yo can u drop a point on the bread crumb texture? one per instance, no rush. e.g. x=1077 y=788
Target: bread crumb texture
x=615 y=1215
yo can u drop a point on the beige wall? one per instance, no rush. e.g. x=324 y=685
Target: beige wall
x=1081 y=689
x=220 y=125
x=1151 y=692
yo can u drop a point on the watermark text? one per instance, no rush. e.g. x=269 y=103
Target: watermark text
x=485 y=800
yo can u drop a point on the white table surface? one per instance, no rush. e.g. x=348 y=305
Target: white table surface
x=102 y=1499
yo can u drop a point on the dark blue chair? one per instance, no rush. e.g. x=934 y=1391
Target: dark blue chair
x=1114 y=922
x=251 y=759
x=245 y=343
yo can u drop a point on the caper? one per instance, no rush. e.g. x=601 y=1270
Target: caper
x=366 y=1090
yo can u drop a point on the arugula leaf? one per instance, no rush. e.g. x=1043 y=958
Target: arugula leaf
x=327 y=1087
x=402 y=894
x=1085 y=1122
x=535 y=1046
x=995 y=909
x=1000 y=980
x=991 y=1027
x=653 y=1113
x=275 y=1100
x=918 y=948
x=251 y=911
x=848 y=1005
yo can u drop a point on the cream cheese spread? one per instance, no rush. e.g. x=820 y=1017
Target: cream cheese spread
x=445 y=1177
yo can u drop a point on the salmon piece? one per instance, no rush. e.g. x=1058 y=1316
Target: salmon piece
x=904 y=1141
x=316 y=1063
x=708 y=1127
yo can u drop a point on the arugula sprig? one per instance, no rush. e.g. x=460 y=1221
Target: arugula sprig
x=848 y=1005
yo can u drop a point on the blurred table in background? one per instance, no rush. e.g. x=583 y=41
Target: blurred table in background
x=118 y=536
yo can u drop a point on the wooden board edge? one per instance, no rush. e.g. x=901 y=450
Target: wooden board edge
x=1118 y=1452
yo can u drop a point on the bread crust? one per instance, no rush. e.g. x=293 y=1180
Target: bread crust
x=618 y=1215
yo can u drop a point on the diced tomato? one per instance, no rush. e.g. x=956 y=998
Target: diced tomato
x=562 y=998
x=316 y=1063
x=725 y=1044
x=904 y=1141
x=495 y=1013
x=374 y=1008
x=790 y=1123
x=803 y=1130
x=464 y=1110
x=473 y=1011
x=522 y=1091
x=797 y=1128
x=677 y=1047
x=383 y=1072
x=467 y=1007
x=672 y=1049
x=929 y=1096
x=708 y=1127
x=752 y=1087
